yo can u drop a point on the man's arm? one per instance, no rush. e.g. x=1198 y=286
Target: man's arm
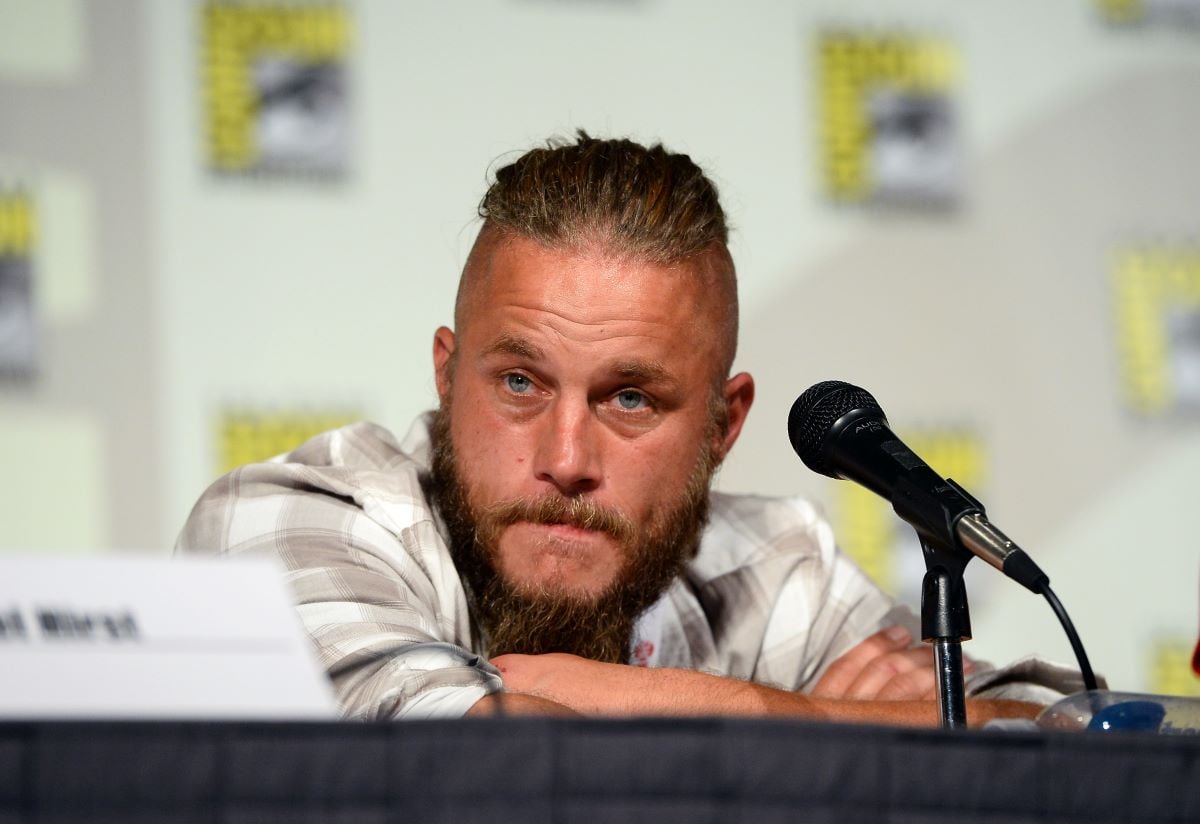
x=386 y=618
x=594 y=688
x=883 y=679
x=501 y=704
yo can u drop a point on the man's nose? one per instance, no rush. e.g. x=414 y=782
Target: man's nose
x=568 y=451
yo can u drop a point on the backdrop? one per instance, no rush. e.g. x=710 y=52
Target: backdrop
x=225 y=226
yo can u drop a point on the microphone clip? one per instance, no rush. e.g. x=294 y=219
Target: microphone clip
x=933 y=509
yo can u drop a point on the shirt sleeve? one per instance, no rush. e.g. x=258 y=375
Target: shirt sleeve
x=387 y=618
x=825 y=604
x=770 y=598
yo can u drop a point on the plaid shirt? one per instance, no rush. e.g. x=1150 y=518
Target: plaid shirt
x=769 y=597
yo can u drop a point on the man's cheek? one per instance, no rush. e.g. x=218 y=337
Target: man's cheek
x=493 y=450
x=651 y=478
x=490 y=469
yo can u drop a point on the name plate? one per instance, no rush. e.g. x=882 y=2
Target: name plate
x=128 y=637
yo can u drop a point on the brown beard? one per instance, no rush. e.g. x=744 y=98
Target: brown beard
x=599 y=627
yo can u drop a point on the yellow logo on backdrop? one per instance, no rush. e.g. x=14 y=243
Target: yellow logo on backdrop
x=1171 y=667
x=867 y=528
x=17 y=226
x=1122 y=11
x=247 y=436
x=853 y=70
x=237 y=35
x=1157 y=302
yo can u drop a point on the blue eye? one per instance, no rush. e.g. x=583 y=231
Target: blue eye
x=631 y=400
x=518 y=383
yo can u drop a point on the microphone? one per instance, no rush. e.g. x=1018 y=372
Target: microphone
x=839 y=430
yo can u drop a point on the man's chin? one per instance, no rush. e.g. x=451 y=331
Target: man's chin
x=556 y=590
x=557 y=579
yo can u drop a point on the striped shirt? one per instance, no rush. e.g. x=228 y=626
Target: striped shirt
x=768 y=598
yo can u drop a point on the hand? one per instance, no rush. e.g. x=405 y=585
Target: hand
x=884 y=667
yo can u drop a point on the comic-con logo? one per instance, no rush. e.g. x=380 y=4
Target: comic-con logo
x=889 y=130
x=18 y=347
x=275 y=87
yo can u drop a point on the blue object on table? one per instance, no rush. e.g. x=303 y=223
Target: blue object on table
x=1142 y=716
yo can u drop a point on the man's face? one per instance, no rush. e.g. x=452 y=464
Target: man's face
x=582 y=415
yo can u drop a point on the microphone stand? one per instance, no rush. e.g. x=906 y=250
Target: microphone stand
x=945 y=619
x=946 y=623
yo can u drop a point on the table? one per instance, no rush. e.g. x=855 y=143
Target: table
x=585 y=770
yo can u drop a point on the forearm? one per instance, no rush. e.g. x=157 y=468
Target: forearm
x=683 y=692
x=500 y=704
x=618 y=690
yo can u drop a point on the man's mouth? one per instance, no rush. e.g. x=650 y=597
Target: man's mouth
x=577 y=519
x=568 y=530
x=558 y=555
x=564 y=530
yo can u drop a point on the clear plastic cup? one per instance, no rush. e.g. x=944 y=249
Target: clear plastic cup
x=1108 y=711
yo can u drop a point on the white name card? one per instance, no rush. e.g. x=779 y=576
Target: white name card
x=127 y=637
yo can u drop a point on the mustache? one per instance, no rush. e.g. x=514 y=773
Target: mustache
x=582 y=513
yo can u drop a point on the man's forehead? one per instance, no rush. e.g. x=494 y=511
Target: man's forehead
x=588 y=282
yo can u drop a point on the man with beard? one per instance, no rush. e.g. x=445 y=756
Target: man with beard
x=551 y=523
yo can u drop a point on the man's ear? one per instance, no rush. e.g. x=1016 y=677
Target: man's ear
x=739 y=397
x=443 y=361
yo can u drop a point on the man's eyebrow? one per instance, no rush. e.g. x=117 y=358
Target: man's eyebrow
x=508 y=344
x=647 y=371
x=634 y=369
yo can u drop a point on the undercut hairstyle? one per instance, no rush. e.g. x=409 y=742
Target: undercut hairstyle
x=615 y=197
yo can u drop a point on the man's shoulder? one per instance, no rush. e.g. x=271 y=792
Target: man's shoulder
x=362 y=446
x=747 y=530
x=352 y=460
x=331 y=479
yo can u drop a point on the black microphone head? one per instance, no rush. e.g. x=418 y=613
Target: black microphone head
x=816 y=411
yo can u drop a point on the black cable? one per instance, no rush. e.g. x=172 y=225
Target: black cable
x=1085 y=668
